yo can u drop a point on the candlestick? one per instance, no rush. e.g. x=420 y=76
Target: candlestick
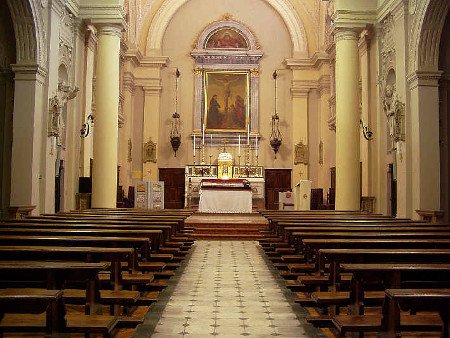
x=256 y=146
x=194 y=145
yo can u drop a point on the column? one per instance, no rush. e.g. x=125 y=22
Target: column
x=27 y=136
x=347 y=121
x=104 y=176
x=424 y=87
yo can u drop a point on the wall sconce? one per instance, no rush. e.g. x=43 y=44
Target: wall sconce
x=175 y=133
x=367 y=133
x=87 y=126
x=275 y=136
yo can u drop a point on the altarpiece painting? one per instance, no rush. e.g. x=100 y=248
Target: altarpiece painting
x=226 y=99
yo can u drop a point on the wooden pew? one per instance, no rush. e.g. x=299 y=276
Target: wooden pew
x=35 y=301
x=392 y=275
x=415 y=300
x=55 y=275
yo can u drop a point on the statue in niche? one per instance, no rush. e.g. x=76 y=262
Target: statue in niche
x=395 y=114
x=389 y=99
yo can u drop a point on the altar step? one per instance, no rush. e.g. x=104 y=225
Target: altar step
x=227 y=226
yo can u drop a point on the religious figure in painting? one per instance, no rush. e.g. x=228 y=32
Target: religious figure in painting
x=215 y=117
x=239 y=112
x=226 y=38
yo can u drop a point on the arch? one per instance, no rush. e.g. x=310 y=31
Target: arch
x=29 y=31
x=428 y=22
x=283 y=7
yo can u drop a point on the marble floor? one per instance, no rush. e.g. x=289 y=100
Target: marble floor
x=226 y=289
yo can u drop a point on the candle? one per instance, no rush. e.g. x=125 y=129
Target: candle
x=194 y=144
x=256 y=145
x=203 y=135
x=248 y=134
x=210 y=144
x=239 y=145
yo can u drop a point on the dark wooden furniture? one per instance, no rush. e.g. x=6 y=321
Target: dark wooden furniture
x=276 y=180
x=174 y=187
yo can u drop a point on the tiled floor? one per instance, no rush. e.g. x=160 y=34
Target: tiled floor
x=227 y=290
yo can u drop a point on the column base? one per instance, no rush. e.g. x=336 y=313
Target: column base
x=20 y=212
x=432 y=216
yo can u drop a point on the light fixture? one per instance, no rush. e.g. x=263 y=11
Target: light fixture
x=367 y=133
x=275 y=136
x=87 y=126
x=175 y=134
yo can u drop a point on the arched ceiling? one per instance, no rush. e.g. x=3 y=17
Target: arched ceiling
x=302 y=26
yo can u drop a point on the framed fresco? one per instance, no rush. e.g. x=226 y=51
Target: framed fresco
x=226 y=101
x=226 y=38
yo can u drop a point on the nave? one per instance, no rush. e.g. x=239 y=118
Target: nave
x=226 y=289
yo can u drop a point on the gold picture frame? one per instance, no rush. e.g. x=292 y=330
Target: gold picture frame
x=149 y=152
x=227 y=101
x=301 y=153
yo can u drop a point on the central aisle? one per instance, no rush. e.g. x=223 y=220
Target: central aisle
x=227 y=290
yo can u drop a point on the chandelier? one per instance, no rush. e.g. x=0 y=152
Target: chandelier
x=275 y=136
x=175 y=133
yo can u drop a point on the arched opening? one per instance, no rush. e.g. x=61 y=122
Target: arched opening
x=7 y=57
x=444 y=116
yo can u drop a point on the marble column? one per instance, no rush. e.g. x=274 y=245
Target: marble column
x=347 y=121
x=104 y=176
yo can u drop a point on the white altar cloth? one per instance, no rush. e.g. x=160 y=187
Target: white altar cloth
x=225 y=201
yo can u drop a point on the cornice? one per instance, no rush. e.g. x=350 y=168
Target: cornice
x=104 y=14
x=354 y=19
x=154 y=61
x=316 y=61
x=134 y=55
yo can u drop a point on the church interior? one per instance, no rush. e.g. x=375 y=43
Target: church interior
x=255 y=168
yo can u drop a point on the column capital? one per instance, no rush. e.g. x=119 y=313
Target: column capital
x=151 y=87
x=364 y=40
x=344 y=33
x=29 y=72
x=91 y=38
x=128 y=82
x=324 y=85
x=301 y=88
x=424 y=78
x=109 y=29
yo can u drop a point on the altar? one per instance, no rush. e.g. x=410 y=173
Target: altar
x=225 y=196
x=195 y=174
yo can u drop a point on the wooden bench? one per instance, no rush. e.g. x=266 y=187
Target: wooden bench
x=55 y=275
x=35 y=301
x=415 y=300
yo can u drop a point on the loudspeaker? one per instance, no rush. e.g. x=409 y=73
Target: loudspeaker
x=85 y=185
